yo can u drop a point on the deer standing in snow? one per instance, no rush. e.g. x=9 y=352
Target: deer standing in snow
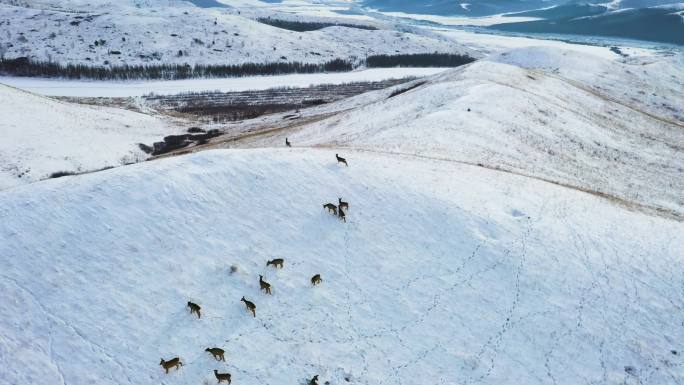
x=250 y=306
x=264 y=285
x=331 y=208
x=341 y=160
x=343 y=204
x=194 y=308
x=222 y=376
x=278 y=262
x=171 y=363
x=217 y=353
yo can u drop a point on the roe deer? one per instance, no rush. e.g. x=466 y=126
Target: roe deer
x=250 y=306
x=341 y=160
x=343 y=204
x=171 y=363
x=222 y=376
x=287 y=143
x=331 y=208
x=217 y=353
x=316 y=279
x=194 y=308
x=264 y=285
x=341 y=215
x=278 y=262
x=313 y=380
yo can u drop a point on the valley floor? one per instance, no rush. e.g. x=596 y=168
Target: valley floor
x=74 y=88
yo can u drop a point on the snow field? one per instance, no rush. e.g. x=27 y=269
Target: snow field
x=443 y=273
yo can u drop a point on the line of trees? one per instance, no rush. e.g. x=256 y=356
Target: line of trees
x=26 y=67
x=302 y=26
x=419 y=60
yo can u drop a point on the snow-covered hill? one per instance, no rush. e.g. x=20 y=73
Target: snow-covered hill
x=443 y=273
x=595 y=124
x=42 y=136
x=116 y=34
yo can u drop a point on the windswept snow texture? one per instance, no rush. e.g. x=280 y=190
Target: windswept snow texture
x=591 y=123
x=443 y=273
x=192 y=35
x=42 y=136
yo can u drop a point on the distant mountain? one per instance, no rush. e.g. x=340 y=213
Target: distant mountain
x=464 y=7
x=624 y=4
x=569 y=10
x=663 y=24
x=208 y=3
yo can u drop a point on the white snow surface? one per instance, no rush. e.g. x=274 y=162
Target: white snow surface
x=43 y=135
x=83 y=88
x=443 y=273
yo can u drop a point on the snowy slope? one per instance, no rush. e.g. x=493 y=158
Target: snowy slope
x=156 y=34
x=43 y=135
x=443 y=273
x=652 y=85
x=591 y=123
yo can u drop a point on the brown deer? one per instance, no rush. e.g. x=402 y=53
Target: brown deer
x=343 y=204
x=222 y=376
x=278 y=262
x=313 y=380
x=195 y=308
x=331 y=208
x=341 y=215
x=250 y=306
x=341 y=160
x=171 y=363
x=287 y=143
x=217 y=353
x=264 y=285
x=316 y=279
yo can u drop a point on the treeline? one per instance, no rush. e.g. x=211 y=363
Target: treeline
x=26 y=67
x=304 y=26
x=419 y=60
x=242 y=111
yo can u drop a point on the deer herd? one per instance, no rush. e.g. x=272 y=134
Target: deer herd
x=277 y=263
